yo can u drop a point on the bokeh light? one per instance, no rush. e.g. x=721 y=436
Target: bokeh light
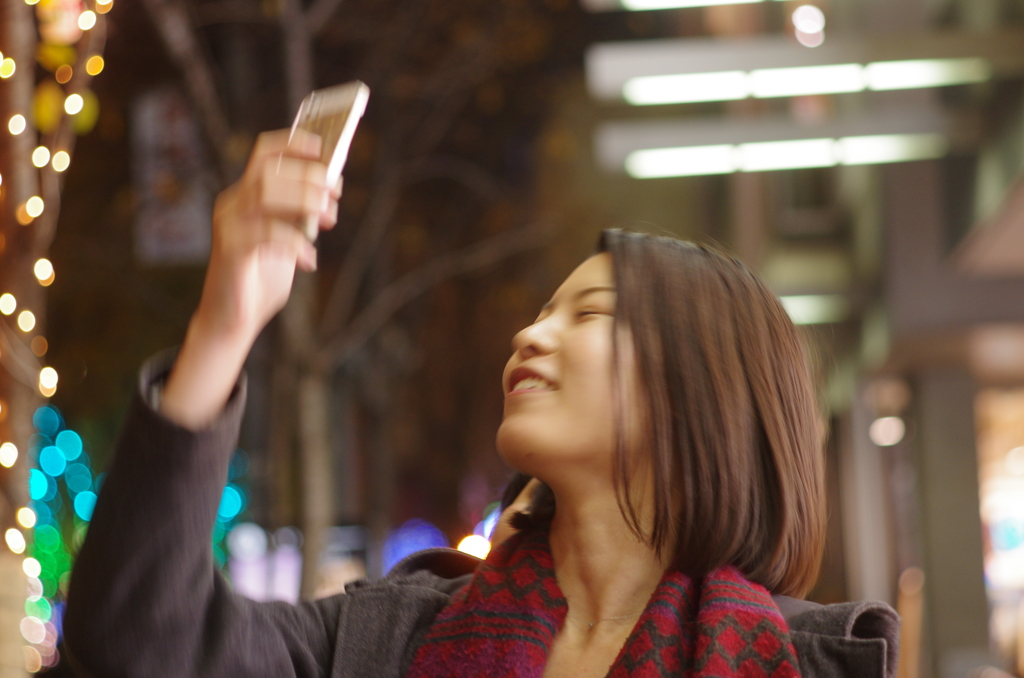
x=61 y=161
x=34 y=206
x=43 y=269
x=33 y=660
x=8 y=455
x=78 y=478
x=887 y=431
x=30 y=566
x=48 y=377
x=85 y=502
x=15 y=540
x=94 y=66
x=47 y=421
x=39 y=346
x=73 y=104
x=8 y=304
x=16 y=125
x=63 y=74
x=26 y=321
x=7 y=68
x=87 y=19
x=809 y=19
x=70 y=443
x=52 y=461
x=230 y=502
x=475 y=545
x=37 y=484
x=26 y=518
x=414 y=535
x=41 y=156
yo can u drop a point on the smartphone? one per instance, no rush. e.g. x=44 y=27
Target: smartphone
x=333 y=114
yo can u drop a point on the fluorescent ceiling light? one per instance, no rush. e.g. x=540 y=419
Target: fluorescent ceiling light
x=816 y=309
x=641 y=5
x=804 y=80
x=686 y=89
x=886 y=148
x=790 y=82
x=890 y=75
x=688 y=161
x=682 y=162
x=780 y=155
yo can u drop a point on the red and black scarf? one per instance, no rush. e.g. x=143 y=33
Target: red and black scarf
x=502 y=623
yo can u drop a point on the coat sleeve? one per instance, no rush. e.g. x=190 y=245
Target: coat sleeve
x=145 y=598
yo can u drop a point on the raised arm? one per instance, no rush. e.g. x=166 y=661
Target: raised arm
x=145 y=599
x=256 y=247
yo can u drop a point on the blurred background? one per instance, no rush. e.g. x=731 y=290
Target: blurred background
x=865 y=156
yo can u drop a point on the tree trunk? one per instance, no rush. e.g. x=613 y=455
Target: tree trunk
x=316 y=473
x=18 y=394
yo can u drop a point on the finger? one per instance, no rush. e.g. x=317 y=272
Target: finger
x=284 y=236
x=329 y=217
x=280 y=142
x=289 y=198
x=336 y=191
x=297 y=169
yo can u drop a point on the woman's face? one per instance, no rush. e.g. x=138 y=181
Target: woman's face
x=558 y=384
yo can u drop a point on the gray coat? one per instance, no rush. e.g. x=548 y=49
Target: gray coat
x=145 y=599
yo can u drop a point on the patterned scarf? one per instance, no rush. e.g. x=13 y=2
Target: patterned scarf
x=502 y=623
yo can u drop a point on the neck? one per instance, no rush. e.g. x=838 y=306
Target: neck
x=603 y=569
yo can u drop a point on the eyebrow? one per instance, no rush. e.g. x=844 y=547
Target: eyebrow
x=582 y=293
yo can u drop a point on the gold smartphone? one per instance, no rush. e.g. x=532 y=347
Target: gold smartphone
x=333 y=114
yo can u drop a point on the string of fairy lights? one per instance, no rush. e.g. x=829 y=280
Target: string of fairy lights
x=62 y=486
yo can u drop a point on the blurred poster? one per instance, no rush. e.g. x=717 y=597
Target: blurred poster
x=173 y=181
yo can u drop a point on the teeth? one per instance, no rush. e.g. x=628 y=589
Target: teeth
x=530 y=383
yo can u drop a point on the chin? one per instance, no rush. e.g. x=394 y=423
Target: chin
x=521 y=446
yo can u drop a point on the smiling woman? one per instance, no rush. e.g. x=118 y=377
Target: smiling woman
x=660 y=401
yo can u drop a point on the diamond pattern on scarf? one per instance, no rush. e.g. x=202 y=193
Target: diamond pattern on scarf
x=503 y=622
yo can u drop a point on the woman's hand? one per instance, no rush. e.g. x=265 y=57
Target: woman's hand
x=257 y=243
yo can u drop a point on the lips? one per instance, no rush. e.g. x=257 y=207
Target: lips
x=524 y=380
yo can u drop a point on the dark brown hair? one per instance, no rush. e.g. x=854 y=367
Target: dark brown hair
x=735 y=435
x=733 y=429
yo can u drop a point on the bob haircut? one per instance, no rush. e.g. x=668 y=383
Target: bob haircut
x=733 y=429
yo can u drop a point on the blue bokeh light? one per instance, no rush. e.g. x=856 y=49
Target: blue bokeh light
x=415 y=535
x=78 y=477
x=52 y=461
x=85 y=502
x=43 y=514
x=230 y=502
x=47 y=420
x=70 y=443
x=239 y=464
x=37 y=484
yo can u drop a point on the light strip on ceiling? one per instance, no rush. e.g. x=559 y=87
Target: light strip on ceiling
x=890 y=75
x=783 y=155
x=687 y=89
x=816 y=309
x=804 y=80
x=644 y=5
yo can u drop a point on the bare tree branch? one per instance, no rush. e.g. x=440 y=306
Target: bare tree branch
x=298 y=53
x=171 y=20
x=230 y=12
x=469 y=174
x=345 y=289
x=396 y=295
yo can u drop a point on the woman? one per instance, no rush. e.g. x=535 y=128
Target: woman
x=660 y=400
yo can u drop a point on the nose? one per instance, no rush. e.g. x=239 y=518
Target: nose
x=536 y=339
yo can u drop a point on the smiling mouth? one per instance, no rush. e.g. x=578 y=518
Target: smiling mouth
x=531 y=384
